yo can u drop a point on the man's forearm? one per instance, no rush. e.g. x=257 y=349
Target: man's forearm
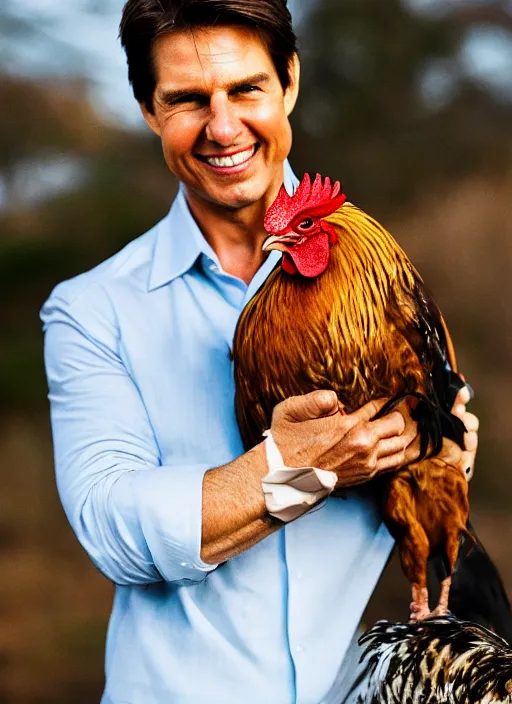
x=234 y=511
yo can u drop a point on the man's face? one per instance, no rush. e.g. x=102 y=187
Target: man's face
x=222 y=115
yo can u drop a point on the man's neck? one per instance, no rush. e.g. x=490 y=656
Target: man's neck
x=236 y=236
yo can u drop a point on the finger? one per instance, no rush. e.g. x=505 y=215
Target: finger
x=459 y=409
x=451 y=453
x=463 y=396
x=412 y=451
x=401 y=457
x=471 y=441
x=391 y=446
x=390 y=463
x=411 y=426
x=392 y=425
x=471 y=422
x=469 y=469
x=317 y=404
x=369 y=410
x=400 y=454
x=468 y=464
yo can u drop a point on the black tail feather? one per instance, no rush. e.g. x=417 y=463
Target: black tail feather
x=477 y=593
x=434 y=422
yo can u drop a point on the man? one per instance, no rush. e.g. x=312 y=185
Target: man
x=216 y=601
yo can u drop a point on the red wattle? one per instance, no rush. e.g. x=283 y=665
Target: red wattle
x=333 y=237
x=287 y=264
x=310 y=258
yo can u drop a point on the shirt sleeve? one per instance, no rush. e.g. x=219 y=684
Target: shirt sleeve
x=139 y=521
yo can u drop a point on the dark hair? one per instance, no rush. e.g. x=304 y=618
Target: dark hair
x=143 y=21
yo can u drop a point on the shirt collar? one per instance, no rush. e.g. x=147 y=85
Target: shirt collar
x=179 y=241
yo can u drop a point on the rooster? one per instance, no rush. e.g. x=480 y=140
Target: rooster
x=346 y=310
x=437 y=660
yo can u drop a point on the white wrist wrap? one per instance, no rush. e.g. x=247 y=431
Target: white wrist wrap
x=292 y=491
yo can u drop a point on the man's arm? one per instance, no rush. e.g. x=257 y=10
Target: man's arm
x=234 y=516
x=142 y=522
x=309 y=431
x=139 y=520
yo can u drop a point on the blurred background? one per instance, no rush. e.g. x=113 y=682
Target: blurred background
x=408 y=102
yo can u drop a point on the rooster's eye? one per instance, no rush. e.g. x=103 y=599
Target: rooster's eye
x=306 y=224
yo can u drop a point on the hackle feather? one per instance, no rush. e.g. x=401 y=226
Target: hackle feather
x=439 y=661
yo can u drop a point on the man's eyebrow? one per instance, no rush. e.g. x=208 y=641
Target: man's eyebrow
x=172 y=97
x=256 y=79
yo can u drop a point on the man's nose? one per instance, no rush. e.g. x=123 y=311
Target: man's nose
x=224 y=125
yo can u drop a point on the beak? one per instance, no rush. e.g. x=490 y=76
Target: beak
x=279 y=242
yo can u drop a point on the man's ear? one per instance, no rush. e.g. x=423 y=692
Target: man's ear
x=292 y=92
x=150 y=118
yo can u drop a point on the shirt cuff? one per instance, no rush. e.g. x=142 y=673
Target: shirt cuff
x=169 y=506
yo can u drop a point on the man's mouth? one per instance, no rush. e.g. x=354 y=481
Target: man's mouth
x=226 y=161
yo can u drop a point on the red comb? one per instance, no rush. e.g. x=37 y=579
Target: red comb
x=318 y=199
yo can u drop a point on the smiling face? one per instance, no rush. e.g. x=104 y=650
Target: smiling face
x=222 y=115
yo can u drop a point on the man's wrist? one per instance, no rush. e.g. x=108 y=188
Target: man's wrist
x=291 y=492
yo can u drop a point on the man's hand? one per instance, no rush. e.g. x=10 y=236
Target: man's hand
x=312 y=431
x=467 y=463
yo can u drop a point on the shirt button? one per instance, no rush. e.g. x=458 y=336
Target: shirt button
x=299 y=648
x=184 y=564
x=213 y=267
x=299 y=575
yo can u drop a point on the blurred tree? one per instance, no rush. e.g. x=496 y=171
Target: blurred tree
x=123 y=187
x=385 y=104
x=65 y=123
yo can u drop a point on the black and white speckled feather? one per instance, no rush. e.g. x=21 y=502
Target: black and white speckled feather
x=438 y=661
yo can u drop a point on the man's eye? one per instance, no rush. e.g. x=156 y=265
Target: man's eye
x=246 y=89
x=306 y=224
x=185 y=99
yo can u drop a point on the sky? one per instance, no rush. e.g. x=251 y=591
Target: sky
x=72 y=40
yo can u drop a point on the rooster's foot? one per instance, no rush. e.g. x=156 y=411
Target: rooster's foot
x=419 y=605
x=440 y=610
x=420 y=614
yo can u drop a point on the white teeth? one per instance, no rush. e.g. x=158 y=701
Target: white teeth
x=235 y=160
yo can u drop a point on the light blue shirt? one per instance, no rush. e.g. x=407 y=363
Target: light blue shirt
x=141 y=390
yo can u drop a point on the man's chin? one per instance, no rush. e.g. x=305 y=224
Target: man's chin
x=237 y=200
x=231 y=196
